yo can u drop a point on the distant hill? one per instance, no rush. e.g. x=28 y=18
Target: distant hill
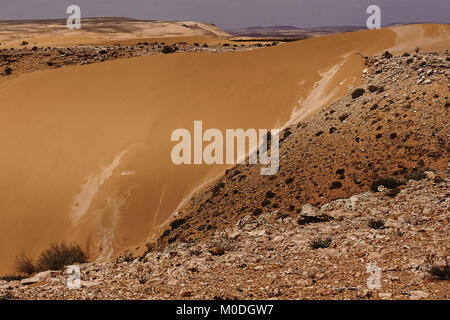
x=104 y=27
x=291 y=31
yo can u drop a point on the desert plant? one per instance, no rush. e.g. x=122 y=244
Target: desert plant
x=376 y=223
x=24 y=264
x=440 y=272
x=168 y=49
x=126 y=257
x=389 y=183
x=416 y=175
x=320 y=243
x=12 y=277
x=60 y=255
x=393 y=192
x=143 y=278
x=6 y=296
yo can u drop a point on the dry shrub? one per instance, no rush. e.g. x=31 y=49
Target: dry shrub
x=24 y=264
x=60 y=255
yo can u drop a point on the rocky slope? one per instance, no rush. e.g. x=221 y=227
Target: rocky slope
x=395 y=125
x=271 y=256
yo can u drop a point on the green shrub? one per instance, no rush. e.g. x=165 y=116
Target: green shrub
x=60 y=255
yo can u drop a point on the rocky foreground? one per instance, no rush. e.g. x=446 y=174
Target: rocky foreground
x=324 y=253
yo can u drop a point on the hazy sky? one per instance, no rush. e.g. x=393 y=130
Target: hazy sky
x=237 y=13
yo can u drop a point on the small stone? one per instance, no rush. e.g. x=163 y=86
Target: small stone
x=385 y=295
x=430 y=175
x=357 y=93
x=186 y=294
x=278 y=239
x=308 y=210
x=366 y=293
x=217 y=251
x=29 y=281
x=417 y=295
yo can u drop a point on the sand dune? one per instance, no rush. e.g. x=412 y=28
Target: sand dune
x=99 y=31
x=86 y=150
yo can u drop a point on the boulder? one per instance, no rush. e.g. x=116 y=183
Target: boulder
x=217 y=251
x=357 y=93
x=311 y=214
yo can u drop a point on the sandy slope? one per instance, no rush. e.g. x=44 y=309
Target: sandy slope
x=86 y=151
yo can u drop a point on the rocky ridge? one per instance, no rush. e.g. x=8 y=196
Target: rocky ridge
x=33 y=58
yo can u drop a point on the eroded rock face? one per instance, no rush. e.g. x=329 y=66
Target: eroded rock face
x=270 y=257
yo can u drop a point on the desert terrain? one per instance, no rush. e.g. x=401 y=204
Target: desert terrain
x=86 y=121
x=98 y=30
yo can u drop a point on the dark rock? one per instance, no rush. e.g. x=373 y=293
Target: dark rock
x=270 y=194
x=357 y=93
x=343 y=117
x=289 y=180
x=372 y=88
x=177 y=223
x=217 y=251
x=336 y=185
